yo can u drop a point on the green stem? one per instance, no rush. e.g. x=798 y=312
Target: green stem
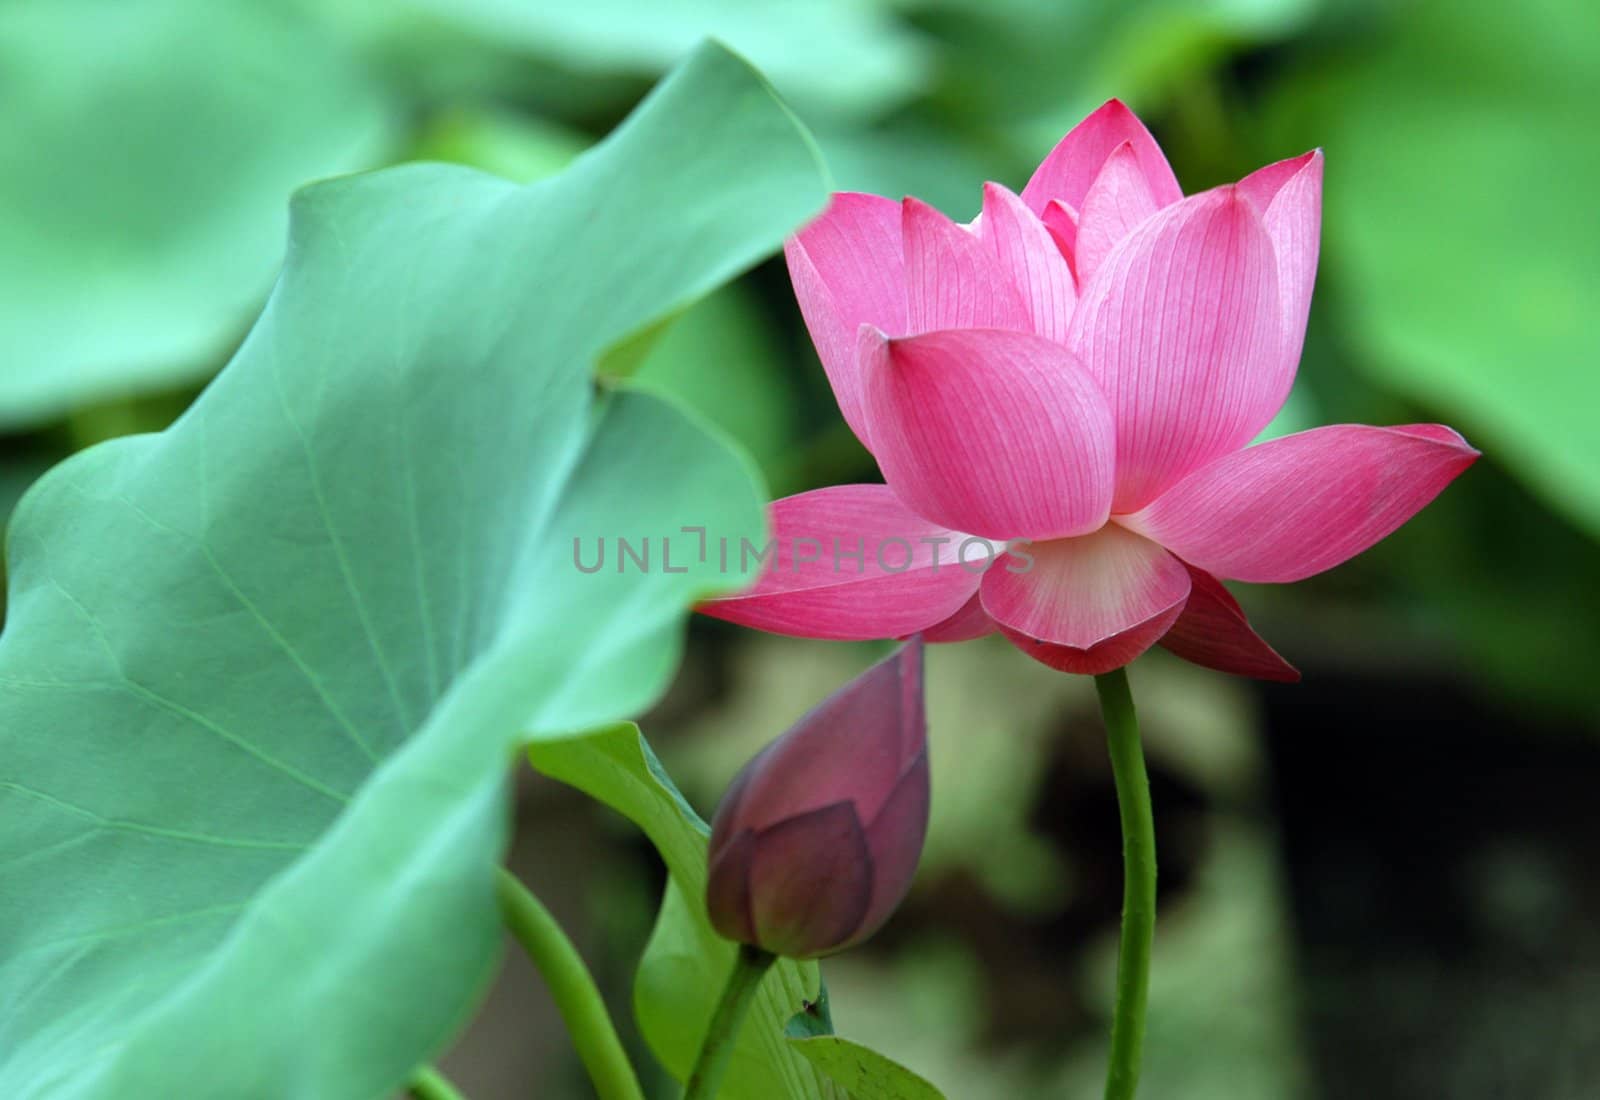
x=576 y=996
x=430 y=1084
x=749 y=967
x=1138 y=883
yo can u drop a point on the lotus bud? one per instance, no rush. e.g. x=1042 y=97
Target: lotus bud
x=817 y=839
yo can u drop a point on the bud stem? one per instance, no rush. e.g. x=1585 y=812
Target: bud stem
x=430 y=1084
x=572 y=987
x=1138 y=886
x=749 y=967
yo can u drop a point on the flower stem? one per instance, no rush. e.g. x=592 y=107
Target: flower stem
x=1138 y=883
x=430 y=1084
x=749 y=967
x=576 y=997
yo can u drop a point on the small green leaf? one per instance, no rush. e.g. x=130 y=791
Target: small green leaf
x=263 y=672
x=686 y=962
x=863 y=1072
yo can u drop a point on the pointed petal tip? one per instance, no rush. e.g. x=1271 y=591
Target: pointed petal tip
x=870 y=335
x=1292 y=507
x=1213 y=632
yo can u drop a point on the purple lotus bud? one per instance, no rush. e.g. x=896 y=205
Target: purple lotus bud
x=816 y=841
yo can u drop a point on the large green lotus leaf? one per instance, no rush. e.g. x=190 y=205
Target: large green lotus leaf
x=686 y=962
x=1460 y=234
x=150 y=147
x=265 y=672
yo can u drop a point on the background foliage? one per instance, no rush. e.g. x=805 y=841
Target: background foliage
x=1439 y=942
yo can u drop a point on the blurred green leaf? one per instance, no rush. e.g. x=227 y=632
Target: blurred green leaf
x=1029 y=70
x=264 y=672
x=912 y=157
x=686 y=962
x=720 y=358
x=1461 y=240
x=150 y=147
x=838 y=57
x=520 y=148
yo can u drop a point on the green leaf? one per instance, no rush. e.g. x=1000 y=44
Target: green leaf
x=519 y=147
x=150 y=147
x=863 y=1072
x=721 y=361
x=1460 y=232
x=686 y=962
x=265 y=671
x=856 y=59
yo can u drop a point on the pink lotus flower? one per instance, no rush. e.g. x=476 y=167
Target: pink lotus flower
x=1079 y=369
x=816 y=841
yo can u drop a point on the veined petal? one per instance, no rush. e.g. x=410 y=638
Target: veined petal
x=1086 y=604
x=848 y=270
x=1031 y=260
x=952 y=279
x=810 y=881
x=1289 y=194
x=1214 y=633
x=1070 y=169
x=1180 y=326
x=895 y=838
x=970 y=622
x=852 y=563
x=1118 y=200
x=1263 y=185
x=1294 y=506
x=1062 y=221
x=998 y=433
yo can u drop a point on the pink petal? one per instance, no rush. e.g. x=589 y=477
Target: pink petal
x=1031 y=260
x=1119 y=200
x=997 y=433
x=854 y=747
x=1294 y=506
x=895 y=838
x=1062 y=221
x=848 y=271
x=810 y=882
x=972 y=621
x=1086 y=604
x=909 y=578
x=1289 y=195
x=1180 y=326
x=728 y=887
x=1214 y=633
x=952 y=279
x=1263 y=185
x=1068 y=172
